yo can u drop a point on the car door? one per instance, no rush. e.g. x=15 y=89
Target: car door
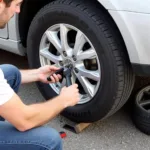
x=4 y=33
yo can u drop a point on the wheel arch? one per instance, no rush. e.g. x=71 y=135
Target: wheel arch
x=125 y=27
x=26 y=17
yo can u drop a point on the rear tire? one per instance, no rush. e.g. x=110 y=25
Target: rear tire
x=140 y=82
x=117 y=78
x=141 y=113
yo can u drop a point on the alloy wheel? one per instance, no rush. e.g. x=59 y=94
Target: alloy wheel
x=64 y=44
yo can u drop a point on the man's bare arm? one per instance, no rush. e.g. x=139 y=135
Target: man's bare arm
x=28 y=76
x=25 y=117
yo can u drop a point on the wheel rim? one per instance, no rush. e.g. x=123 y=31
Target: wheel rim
x=62 y=44
x=143 y=99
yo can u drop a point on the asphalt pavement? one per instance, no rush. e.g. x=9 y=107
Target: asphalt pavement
x=115 y=133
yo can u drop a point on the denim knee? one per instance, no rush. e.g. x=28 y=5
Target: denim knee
x=40 y=138
x=57 y=140
x=12 y=75
x=52 y=138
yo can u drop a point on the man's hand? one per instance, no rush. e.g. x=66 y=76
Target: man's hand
x=47 y=71
x=40 y=74
x=70 y=95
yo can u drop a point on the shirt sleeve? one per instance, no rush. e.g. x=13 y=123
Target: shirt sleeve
x=6 y=92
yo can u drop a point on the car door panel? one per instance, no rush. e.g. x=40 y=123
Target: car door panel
x=4 y=33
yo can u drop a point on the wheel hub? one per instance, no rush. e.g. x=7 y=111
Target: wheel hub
x=68 y=62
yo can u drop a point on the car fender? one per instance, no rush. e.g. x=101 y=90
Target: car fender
x=127 y=5
x=135 y=32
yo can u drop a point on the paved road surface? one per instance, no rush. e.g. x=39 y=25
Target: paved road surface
x=115 y=133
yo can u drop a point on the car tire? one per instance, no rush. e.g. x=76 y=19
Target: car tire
x=140 y=82
x=117 y=79
x=141 y=110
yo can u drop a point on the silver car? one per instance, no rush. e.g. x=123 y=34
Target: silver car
x=106 y=41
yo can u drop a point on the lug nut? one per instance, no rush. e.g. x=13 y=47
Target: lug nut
x=76 y=70
x=61 y=63
x=74 y=58
x=64 y=53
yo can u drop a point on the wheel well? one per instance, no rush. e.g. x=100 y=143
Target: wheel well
x=33 y=6
x=29 y=9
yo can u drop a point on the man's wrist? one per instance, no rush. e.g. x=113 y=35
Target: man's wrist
x=63 y=102
x=29 y=76
x=38 y=74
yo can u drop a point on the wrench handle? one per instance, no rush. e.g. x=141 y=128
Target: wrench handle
x=68 y=81
x=60 y=71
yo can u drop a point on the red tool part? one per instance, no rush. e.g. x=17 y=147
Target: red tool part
x=63 y=134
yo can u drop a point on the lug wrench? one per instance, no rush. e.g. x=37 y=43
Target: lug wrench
x=66 y=73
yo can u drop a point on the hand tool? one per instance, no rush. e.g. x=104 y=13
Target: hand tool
x=65 y=72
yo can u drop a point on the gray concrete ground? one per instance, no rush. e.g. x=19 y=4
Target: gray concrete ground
x=115 y=133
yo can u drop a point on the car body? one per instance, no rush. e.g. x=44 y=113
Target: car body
x=131 y=17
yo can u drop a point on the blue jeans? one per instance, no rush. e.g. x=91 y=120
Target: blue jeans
x=40 y=138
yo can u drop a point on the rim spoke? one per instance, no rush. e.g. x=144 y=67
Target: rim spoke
x=94 y=75
x=79 y=43
x=48 y=62
x=87 y=86
x=53 y=38
x=63 y=35
x=74 y=77
x=146 y=102
x=42 y=59
x=46 y=54
x=89 y=54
